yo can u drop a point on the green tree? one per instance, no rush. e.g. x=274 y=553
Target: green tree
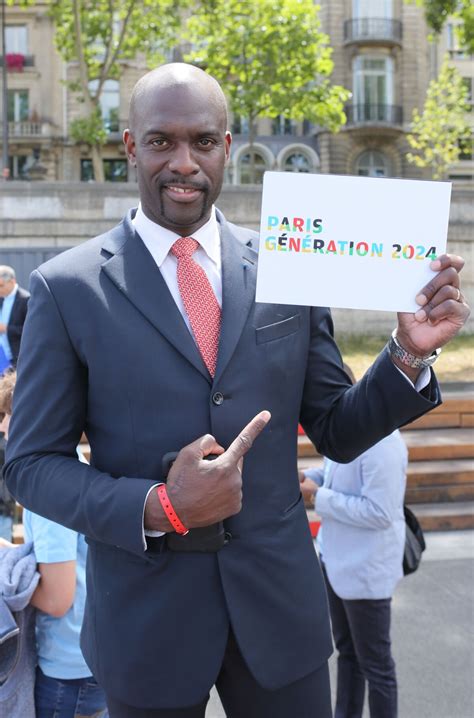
x=99 y=35
x=271 y=59
x=437 y=13
x=441 y=131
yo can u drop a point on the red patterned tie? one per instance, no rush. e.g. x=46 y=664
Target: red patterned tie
x=199 y=300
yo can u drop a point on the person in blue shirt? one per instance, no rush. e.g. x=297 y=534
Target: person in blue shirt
x=13 y=308
x=64 y=686
x=361 y=543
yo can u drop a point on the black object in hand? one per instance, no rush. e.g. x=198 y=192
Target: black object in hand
x=203 y=539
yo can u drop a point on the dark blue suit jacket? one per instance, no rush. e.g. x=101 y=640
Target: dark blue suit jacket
x=106 y=350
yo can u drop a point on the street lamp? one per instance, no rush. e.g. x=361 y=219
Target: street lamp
x=5 y=165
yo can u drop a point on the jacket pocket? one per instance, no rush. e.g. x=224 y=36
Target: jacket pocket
x=278 y=330
x=293 y=506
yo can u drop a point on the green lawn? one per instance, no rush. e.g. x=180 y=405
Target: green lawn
x=456 y=362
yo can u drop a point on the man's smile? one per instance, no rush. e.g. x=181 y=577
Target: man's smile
x=180 y=193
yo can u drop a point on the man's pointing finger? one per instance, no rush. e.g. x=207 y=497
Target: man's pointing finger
x=243 y=442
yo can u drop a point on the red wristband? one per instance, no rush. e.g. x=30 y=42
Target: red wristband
x=173 y=517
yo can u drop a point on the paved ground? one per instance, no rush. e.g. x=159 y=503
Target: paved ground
x=433 y=621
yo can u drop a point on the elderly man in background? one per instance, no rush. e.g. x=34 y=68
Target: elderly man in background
x=13 y=306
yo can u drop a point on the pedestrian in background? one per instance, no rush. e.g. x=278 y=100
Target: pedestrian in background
x=361 y=543
x=13 y=307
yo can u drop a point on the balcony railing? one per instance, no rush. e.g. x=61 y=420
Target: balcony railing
x=26 y=130
x=28 y=61
x=373 y=29
x=374 y=114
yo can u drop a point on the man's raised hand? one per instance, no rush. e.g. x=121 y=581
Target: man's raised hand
x=443 y=310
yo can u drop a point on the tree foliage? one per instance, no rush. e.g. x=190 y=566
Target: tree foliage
x=99 y=35
x=462 y=11
x=270 y=57
x=441 y=131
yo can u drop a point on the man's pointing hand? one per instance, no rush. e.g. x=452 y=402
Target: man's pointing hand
x=204 y=492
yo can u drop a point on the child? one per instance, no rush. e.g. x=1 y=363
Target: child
x=64 y=686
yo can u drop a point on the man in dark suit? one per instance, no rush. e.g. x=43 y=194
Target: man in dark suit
x=13 y=306
x=149 y=339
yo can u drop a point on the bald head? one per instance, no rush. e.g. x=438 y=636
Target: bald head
x=179 y=144
x=177 y=77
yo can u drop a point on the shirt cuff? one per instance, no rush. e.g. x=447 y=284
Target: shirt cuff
x=147 y=532
x=423 y=380
x=314 y=475
x=321 y=500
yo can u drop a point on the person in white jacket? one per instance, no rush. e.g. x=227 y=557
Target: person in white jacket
x=361 y=542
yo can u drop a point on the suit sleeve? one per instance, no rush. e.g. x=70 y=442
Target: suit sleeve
x=42 y=469
x=344 y=420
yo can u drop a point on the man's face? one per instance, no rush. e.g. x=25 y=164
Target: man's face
x=180 y=147
x=6 y=286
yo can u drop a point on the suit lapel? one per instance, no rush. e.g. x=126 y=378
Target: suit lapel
x=134 y=272
x=239 y=264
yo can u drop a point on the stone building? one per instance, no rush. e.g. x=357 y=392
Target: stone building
x=381 y=53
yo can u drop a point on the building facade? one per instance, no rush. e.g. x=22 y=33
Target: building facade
x=381 y=53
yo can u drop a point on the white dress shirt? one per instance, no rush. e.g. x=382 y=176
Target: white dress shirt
x=159 y=240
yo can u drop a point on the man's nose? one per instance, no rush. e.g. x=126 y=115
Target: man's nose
x=183 y=161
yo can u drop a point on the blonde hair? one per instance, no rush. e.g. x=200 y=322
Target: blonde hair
x=7 y=387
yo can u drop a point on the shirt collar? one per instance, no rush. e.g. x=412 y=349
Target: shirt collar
x=159 y=240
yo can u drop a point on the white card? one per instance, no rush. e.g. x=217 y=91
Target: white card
x=352 y=242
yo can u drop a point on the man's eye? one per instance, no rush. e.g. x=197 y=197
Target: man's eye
x=205 y=142
x=159 y=142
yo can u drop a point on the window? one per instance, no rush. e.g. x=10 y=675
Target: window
x=16 y=39
x=240 y=125
x=373 y=87
x=461 y=178
x=18 y=166
x=454 y=48
x=114 y=170
x=87 y=171
x=372 y=8
x=246 y=171
x=18 y=106
x=372 y=164
x=109 y=103
x=466 y=150
x=282 y=126
x=467 y=81
x=297 y=162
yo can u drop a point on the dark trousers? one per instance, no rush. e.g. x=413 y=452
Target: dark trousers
x=243 y=697
x=361 y=631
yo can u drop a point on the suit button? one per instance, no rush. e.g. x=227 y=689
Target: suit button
x=218 y=398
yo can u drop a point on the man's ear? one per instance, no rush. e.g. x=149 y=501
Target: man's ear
x=129 y=143
x=228 y=142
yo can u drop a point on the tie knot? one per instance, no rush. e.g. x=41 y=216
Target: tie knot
x=184 y=247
